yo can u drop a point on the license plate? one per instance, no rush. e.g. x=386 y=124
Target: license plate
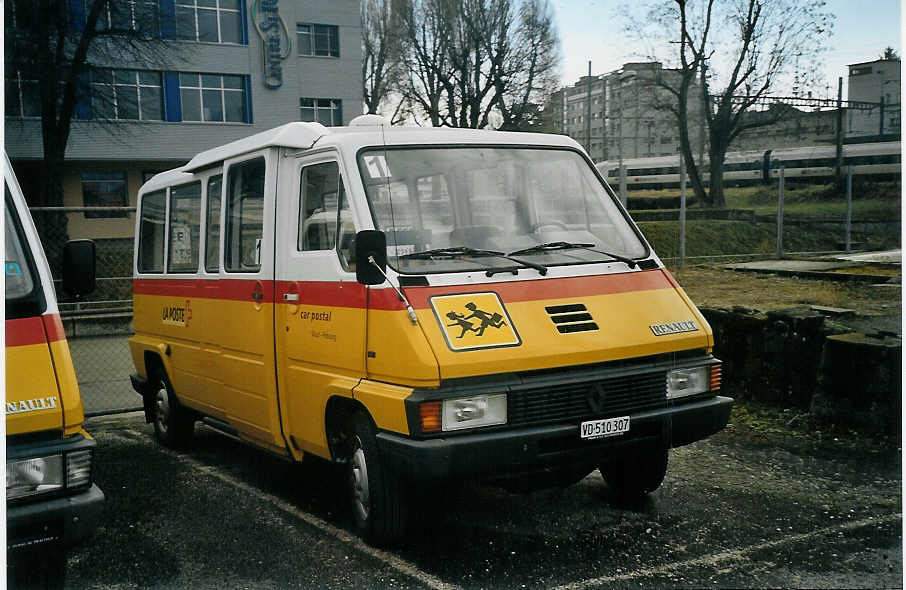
x=602 y=428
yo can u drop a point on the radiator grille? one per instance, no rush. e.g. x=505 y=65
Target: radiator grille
x=572 y=402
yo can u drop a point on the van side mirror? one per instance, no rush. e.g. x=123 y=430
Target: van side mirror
x=78 y=267
x=370 y=243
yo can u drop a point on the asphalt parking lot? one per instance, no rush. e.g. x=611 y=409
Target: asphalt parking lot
x=742 y=509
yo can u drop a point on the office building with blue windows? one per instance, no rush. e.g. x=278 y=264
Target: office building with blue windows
x=230 y=68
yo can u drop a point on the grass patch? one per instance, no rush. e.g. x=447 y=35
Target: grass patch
x=714 y=238
x=717 y=287
x=871 y=200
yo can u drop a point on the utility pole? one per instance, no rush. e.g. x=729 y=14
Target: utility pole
x=838 y=171
x=881 y=123
x=588 y=114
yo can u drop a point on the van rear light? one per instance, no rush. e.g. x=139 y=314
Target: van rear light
x=430 y=415
x=716 y=374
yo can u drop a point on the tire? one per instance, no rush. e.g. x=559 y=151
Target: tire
x=173 y=424
x=635 y=475
x=377 y=497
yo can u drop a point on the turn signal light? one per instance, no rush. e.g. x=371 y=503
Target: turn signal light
x=716 y=372
x=430 y=414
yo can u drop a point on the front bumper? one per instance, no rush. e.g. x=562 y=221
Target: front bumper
x=64 y=520
x=530 y=449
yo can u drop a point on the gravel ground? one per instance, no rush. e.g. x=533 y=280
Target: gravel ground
x=750 y=507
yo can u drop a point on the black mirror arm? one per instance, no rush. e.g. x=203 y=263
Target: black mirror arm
x=412 y=317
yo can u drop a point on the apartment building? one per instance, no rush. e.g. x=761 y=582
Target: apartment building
x=235 y=67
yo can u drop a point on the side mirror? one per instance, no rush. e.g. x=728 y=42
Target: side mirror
x=370 y=243
x=78 y=267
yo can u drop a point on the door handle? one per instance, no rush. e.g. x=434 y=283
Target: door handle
x=291 y=297
x=257 y=295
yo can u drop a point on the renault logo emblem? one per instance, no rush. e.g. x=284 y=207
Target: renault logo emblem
x=596 y=397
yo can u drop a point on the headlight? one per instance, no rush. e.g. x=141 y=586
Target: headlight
x=469 y=412
x=464 y=412
x=683 y=382
x=26 y=477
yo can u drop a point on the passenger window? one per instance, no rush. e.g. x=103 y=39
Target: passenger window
x=244 y=216
x=346 y=245
x=212 y=234
x=321 y=186
x=185 y=221
x=151 y=233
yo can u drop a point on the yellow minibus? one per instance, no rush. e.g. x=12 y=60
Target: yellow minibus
x=420 y=305
x=51 y=500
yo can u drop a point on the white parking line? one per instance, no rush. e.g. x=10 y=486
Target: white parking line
x=394 y=561
x=732 y=555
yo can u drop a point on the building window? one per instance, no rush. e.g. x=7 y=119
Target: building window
x=126 y=94
x=212 y=97
x=130 y=15
x=326 y=111
x=22 y=97
x=210 y=21
x=104 y=189
x=319 y=40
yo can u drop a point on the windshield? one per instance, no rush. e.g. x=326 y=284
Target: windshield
x=451 y=209
x=19 y=281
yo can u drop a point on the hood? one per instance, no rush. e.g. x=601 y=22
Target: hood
x=548 y=323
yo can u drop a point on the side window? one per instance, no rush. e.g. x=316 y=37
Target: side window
x=212 y=230
x=185 y=217
x=151 y=232
x=244 y=216
x=346 y=243
x=321 y=186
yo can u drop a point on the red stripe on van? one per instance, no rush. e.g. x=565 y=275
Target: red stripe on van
x=34 y=330
x=53 y=326
x=535 y=290
x=230 y=289
x=354 y=295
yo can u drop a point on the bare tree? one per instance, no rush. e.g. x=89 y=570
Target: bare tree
x=467 y=60
x=531 y=73
x=745 y=49
x=381 y=59
x=54 y=44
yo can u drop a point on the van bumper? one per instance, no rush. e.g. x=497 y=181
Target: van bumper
x=65 y=520
x=486 y=455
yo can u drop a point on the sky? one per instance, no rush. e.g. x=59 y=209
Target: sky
x=593 y=30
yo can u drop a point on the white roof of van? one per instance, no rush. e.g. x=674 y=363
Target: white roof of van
x=300 y=135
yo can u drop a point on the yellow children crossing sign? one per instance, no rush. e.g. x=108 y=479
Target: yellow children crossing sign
x=474 y=320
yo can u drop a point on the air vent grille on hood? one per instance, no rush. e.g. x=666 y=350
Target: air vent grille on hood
x=573 y=317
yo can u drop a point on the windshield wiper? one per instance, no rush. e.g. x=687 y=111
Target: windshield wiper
x=549 y=246
x=450 y=252
x=454 y=251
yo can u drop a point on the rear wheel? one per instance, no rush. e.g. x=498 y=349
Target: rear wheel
x=173 y=424
x=634 y=475
x=378 y=497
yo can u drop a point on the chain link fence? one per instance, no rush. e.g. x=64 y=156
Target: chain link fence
x=99 y=325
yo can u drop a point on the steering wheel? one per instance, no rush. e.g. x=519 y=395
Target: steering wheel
x=552 y=223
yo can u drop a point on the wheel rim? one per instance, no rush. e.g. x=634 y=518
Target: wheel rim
x=359 y=480
x=162 y=405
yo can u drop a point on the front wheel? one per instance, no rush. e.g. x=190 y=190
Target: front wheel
x=634 y=475
x=173 y=424
x=378 y=497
